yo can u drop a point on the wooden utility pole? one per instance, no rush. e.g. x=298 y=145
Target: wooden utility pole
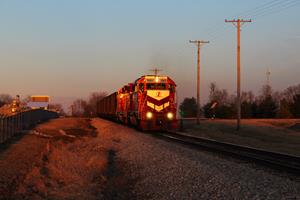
x=198 y=43
x=238 y=23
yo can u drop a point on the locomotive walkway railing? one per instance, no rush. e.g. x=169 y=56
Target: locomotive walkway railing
x=10 y=125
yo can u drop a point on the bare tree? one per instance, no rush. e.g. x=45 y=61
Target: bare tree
x=57 y=107
x=5 y=99
x=247 y=97
x=290 y=92
x=26 y=99
x=78 y=108
x=92 y=103
x=217 y=95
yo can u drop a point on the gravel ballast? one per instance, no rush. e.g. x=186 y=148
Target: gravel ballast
x=158 y=169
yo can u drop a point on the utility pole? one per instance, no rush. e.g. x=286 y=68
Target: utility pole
x=238 y=23
x=198 y=43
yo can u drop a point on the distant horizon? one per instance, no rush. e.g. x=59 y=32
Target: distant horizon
x=66 y=101
x=69 y=49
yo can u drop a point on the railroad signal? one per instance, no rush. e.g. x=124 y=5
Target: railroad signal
x=198 y=43
x=238 y=23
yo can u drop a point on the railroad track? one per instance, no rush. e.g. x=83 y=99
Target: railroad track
x=272 y=159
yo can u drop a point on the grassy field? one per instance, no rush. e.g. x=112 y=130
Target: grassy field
x=279 y=135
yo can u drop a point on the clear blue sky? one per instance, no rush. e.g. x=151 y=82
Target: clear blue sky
x=69 y=48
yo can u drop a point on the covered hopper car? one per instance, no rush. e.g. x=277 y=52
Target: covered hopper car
x=149 y=103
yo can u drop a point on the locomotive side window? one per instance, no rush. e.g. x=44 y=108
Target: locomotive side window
x=141 y=87
x=171 y=88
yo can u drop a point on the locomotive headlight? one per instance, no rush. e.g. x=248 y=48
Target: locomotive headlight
x=149 y=115
x=170 y=116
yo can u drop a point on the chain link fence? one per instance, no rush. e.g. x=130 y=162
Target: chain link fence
x=10 y=125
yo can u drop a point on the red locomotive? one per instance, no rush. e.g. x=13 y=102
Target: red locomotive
x=149 y=103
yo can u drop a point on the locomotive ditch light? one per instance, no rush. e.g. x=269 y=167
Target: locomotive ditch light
x=170 y=116
x=149 y=115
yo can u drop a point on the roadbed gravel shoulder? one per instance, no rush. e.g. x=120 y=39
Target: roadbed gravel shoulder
x=166 y=170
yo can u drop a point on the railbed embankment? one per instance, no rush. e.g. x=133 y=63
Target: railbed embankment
x=59 y=159
x=278 y=135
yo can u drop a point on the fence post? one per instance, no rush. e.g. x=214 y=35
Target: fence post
x=14 y=124
x=1 y=130
x=11 y=127
x=20 y=121
x=5 y=128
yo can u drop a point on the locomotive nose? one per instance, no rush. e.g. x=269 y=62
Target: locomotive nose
x=159 y=122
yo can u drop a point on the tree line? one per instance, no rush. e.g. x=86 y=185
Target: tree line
x=87 y=108
x=267 y=104
x=79 y=107
x=5 y=99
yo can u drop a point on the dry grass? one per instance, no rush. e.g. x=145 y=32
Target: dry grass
x=55 y=167
x=273 y=135
x=72 y=167
x=62 y=127
x=72 y=171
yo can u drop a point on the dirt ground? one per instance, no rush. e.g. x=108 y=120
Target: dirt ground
x=67 y=158
x=5 y=110
x=56 y=160
x=280 y=135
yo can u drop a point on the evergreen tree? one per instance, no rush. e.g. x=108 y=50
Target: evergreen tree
x=247 y=99
x=188 y=108
x=267 y=107
x=284 y=110
x=295 y=107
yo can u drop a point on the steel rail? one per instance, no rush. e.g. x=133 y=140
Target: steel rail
x=272 y=159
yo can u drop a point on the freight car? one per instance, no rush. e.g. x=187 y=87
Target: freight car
x=149 y=103
x=107 y=107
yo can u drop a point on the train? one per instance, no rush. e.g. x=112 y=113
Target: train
x=149 y=103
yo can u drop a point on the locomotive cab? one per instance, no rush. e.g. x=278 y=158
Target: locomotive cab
x=157 y=105
x=149 y=103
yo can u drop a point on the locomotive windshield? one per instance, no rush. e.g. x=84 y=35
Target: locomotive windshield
x=156 y=86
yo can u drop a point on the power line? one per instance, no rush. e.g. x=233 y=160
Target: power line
x=215 y=27
x=277 y=9
x=260 y=11
x=263 y=7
